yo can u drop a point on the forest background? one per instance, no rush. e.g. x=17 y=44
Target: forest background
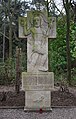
x=62 y=50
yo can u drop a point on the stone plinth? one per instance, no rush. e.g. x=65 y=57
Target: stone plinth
x=37 y=99
x=37 y=87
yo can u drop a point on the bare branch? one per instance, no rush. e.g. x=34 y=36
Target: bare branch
x=4 y=35
x=58 y=9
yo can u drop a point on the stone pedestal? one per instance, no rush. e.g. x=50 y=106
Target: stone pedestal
x=37 y=87
x=35 y=100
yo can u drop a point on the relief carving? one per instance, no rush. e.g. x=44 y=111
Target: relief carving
x=38 y=100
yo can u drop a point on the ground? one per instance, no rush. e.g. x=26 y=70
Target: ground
x=56 y=113
x=8 y=97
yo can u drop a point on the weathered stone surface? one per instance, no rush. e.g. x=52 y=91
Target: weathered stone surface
x=37 y=99
x=52 y=29
x=22 y=25
x=25 y=24
x=45 y=78
x=37 y=43
x=38 y=81
x=37 y=28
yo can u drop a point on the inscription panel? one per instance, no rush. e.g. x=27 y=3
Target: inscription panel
x=37 y=81
x=30 y=80
x=45 y=79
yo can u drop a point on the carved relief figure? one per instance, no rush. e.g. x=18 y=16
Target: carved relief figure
x=38 y=47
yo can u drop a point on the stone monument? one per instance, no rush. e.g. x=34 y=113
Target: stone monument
x=37 y=82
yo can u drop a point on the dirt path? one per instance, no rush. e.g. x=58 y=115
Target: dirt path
x=57 y=113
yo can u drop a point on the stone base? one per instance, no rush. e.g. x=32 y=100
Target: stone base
x=37 y=87
x=37 y=99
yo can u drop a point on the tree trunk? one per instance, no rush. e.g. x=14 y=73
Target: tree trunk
x=18 y=72
x=10 y=40
x=10 y=30
x=47 y=8
x=4 y=44
x=68 y=43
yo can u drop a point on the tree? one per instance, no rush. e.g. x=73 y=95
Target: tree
x=10 y=10
x=66 y=4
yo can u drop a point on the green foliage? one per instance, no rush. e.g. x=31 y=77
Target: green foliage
x=57 y=50
x=2 y=73
x=7 y=72
x=73 y=40
x=57 y=47
x=8 y=69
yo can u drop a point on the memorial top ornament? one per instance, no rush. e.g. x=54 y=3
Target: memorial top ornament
x=34 y=20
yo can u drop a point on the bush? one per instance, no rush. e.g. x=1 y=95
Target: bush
x=7 y=72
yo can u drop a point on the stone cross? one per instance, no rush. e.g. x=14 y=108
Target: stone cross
x=37 y=82
x=37 y=28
